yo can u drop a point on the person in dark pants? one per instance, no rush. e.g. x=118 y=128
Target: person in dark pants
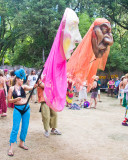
x=94 y=92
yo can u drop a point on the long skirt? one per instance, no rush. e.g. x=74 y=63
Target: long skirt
x=3 y=105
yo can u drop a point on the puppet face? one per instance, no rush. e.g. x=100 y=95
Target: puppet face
x=71 y=34
x=101 y=39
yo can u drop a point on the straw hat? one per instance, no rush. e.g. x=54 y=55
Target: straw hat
x=122 y=78
x=95 y=77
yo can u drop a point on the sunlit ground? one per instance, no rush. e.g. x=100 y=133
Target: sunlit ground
x=87 y=134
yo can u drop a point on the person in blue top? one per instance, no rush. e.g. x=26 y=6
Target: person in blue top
x=17 y=96
x=117 y=82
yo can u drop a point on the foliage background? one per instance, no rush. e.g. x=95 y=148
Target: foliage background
x=28 y=28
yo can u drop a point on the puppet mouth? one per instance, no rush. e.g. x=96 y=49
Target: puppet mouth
x=103 y=50
x=77 y=41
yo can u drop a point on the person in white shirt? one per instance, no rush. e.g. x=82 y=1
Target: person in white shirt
x=31 y=81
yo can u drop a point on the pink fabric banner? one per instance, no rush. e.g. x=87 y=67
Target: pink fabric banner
x=54 y=75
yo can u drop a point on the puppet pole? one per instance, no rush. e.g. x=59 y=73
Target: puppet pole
x=33 y=89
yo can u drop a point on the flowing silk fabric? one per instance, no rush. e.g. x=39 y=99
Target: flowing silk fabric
x=54 y=75
x=83 y=65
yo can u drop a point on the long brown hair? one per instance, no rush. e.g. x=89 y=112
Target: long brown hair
x=14 y=81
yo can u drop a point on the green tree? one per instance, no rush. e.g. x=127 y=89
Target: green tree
x=38 y=20
x=29 y=26
x=84 y=23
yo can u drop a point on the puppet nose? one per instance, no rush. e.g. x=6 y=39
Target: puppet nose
x=78 y=37
x=108 y=39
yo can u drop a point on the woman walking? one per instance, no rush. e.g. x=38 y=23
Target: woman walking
x=19 y=99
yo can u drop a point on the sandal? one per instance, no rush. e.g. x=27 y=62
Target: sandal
x=24 y=147
x=10 y=153
x=3 y=115
x=55 y=132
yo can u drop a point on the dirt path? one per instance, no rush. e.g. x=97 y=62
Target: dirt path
x=88 y=134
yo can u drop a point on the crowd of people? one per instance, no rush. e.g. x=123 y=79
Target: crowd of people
x=82 y=94
x=14 y=86
x=114 y=88
x=119 y=88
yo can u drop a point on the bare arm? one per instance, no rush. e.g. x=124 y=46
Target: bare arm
x=120 y=85
x=28 y=82
x=28 y=88
x=5 y=87
x=40 y=84
x=94 y=85
x=126 y=89
x=9 y=82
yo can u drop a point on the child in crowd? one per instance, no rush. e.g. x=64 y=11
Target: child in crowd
x=83 y=94
x=69 y=95
x=94 y=92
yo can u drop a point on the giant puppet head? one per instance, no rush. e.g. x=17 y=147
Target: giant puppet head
x=71 y=34
x=101 y=39
x=91 y=54
x=54 y=73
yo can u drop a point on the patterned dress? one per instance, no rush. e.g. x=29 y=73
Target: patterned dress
x=69 y=95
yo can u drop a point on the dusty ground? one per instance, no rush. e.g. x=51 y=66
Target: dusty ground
x=88 y=134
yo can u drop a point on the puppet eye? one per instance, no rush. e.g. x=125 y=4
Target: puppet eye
x=104 y=29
